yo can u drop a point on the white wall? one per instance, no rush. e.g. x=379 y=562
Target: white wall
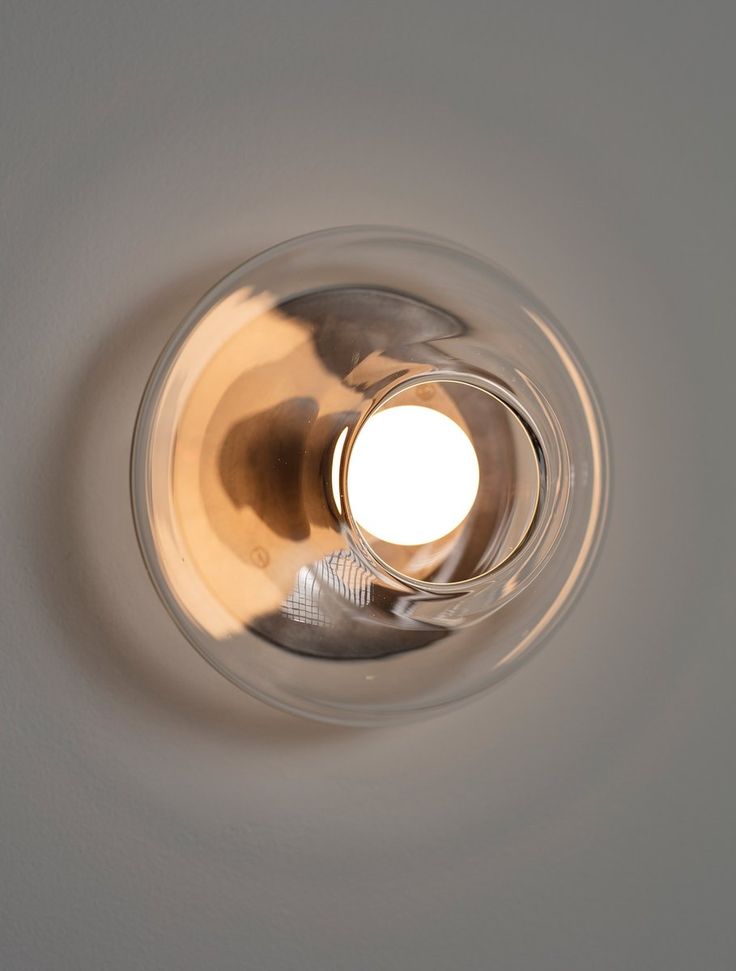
x=581 y=815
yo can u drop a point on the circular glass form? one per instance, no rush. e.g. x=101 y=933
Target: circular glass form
x=489 y=466
x=369 y=474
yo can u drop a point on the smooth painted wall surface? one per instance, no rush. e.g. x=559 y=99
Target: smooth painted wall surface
x=582 y=814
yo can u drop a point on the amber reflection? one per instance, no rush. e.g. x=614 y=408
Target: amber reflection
x=251 y=478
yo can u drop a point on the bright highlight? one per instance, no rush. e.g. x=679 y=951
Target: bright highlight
x=413 y=475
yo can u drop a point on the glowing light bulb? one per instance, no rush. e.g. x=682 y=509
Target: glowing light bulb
x=413 y=475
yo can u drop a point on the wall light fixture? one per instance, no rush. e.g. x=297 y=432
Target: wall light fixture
x=369 y=474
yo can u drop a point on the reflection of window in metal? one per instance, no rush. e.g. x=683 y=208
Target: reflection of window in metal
x=341 y=574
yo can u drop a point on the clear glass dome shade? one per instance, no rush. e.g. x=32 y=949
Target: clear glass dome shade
x=368 y=475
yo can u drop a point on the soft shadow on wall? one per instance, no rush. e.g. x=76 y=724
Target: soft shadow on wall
x=87 y=557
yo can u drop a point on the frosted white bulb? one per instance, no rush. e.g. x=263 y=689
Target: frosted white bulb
x=413 y=475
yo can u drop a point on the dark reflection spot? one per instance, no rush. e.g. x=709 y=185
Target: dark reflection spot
x=351 y=323
x=261 y=461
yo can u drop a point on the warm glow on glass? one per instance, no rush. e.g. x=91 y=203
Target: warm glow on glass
x=333 y=478
x=413 y=475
